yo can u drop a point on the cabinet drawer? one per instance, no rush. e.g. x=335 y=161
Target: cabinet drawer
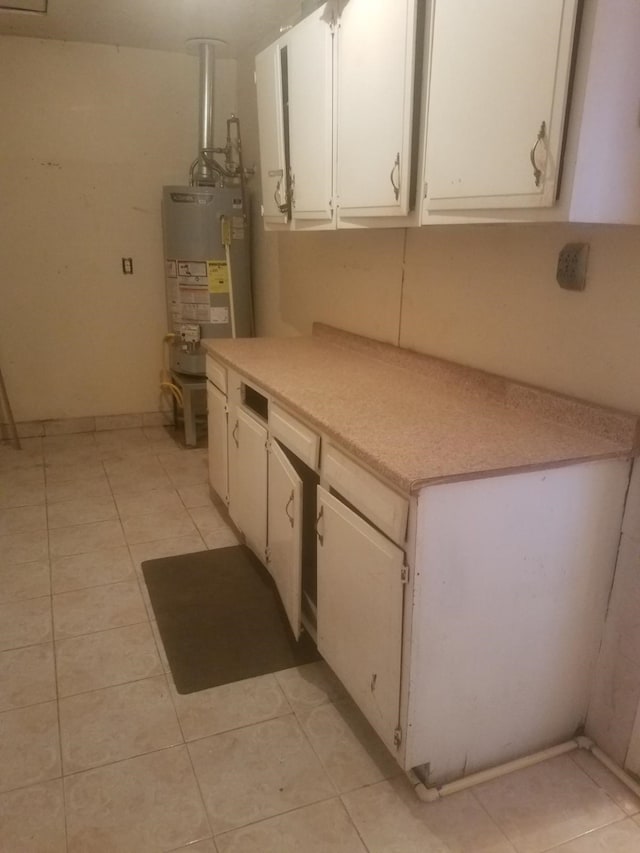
x=294 y=435
x=217 y=374
x=386 y=509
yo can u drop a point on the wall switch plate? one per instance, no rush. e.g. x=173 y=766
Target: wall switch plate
x=572 y=266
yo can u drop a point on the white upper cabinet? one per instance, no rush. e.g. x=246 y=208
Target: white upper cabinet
x=497 y=71
x=380 y=113
x=498 y=80
x=273 y=164
x=375 y=75
x=335 y=111
x=309 y=61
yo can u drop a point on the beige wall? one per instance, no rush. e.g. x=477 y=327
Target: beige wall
x=95 y=131
x=90 y=133
x=481 y=295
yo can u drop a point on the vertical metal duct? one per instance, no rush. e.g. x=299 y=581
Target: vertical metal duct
x=202 y=171
x=205 y=130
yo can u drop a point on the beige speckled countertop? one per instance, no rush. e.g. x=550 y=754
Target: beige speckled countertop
x=416 y=419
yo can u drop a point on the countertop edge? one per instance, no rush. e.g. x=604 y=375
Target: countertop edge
x=579 y=415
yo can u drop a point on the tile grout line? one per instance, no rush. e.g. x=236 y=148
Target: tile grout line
x=351 y=820
x=282 y=814
x=113 y=686
x=557 y=848
x=493 y=821
x=595 y=781
x=167 y=676
x=55 y=667
x=54 y=642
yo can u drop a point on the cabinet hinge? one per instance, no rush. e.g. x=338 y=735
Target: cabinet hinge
x=267 y=445
x=267 y=554
x=426 y=190
x=255 y=78
x=404 y=574
x=397 y=737
x=226 y=408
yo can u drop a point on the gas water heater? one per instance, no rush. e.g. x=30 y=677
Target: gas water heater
x=206 y=238
x=206 y=244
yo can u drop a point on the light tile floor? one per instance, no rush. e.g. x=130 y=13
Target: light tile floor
x=99 y=754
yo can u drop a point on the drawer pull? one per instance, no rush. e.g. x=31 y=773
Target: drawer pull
x=396 y=171
x=537 y=172
x=318 y=519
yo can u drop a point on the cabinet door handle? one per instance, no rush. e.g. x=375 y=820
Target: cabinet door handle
x=286 y=509
x=537 y=172
x=396 y=168
x=318 y=519
x=234 y=434
x=282 y=206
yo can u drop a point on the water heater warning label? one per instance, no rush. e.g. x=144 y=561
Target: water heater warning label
x=219 y=315
x=218 y=275
x=192 y=269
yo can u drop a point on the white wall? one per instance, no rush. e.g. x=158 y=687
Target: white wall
x=90 y=133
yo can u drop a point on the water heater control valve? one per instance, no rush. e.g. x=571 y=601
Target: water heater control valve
x=189 y=334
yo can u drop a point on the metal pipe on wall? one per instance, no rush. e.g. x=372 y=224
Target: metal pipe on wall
x=205 y=120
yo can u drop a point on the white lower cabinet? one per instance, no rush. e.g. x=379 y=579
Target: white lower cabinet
x=249 y=470
x=508 y=600
x=464 y=621
x=217 y=429
x=360 y=605
x=248 y=478
x=285 y=533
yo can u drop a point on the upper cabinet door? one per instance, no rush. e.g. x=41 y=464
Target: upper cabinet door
x=285 y=533
x=310 y=78
x=375 y=77
x=498 y=80
x=273 y=160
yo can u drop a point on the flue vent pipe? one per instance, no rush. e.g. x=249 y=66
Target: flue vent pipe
x=206 y=50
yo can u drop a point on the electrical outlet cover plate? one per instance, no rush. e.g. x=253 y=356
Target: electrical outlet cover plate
x=572 y=266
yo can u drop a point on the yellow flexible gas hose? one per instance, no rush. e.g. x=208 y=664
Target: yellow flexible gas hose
x=165 y=377
x=173 y=389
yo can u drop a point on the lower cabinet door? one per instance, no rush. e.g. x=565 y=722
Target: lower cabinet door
x=248 y=479
x=285 y=533
x=217 y=424
x=360 y=603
